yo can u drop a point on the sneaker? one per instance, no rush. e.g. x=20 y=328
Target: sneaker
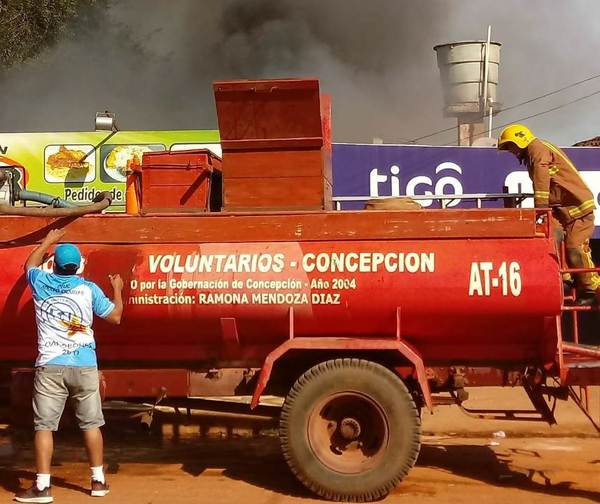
x=99 y=489
x=586 y=299
x=34 y=495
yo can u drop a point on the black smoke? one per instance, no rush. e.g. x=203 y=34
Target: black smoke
x=152 y=62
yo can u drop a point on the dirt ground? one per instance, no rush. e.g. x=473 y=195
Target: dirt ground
x=461 y=460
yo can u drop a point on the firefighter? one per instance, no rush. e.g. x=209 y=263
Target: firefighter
x=558 y=184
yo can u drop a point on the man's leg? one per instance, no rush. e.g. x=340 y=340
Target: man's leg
x=49 y=398
x=44 y=446
x=85 y=392
x=577 y=241
x=558 y=233
x=94 y=446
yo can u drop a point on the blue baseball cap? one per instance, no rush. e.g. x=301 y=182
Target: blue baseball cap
x=67 y=254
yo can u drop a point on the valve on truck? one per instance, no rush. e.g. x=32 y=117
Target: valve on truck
x=9 y=185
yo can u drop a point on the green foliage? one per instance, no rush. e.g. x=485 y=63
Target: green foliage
x=27 y=27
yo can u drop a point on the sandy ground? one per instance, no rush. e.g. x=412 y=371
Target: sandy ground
x=461 y=461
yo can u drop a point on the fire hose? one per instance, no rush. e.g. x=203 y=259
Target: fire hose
x=58 y=207
x=46 y=199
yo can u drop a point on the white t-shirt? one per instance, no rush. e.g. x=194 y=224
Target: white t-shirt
x=64 y=311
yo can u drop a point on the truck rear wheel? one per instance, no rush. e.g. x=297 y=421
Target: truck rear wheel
x=350 y=430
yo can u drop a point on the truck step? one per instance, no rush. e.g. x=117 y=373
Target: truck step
x=582 y=363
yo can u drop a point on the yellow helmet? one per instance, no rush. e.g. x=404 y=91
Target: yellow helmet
x=518 y=134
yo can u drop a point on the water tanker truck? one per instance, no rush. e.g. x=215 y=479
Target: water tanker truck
x=240 y=279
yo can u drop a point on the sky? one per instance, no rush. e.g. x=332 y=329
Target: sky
x=152 y=62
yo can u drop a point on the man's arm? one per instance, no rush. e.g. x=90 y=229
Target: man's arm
x=541 y=159
x=114 y=317
x=36 y=258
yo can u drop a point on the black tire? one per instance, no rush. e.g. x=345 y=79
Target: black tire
x=350 y=430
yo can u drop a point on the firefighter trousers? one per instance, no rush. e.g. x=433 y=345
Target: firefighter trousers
x=576 y=235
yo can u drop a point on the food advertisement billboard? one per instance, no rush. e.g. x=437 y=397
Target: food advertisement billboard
x=77 y=165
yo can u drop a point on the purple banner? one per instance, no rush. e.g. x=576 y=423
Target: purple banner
x=396 y=170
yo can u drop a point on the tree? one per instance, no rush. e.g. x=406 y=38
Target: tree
x=27 y=27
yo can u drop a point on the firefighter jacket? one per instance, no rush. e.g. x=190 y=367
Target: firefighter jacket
x=557 y=183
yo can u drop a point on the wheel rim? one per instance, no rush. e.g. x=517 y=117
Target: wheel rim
x=348 y=432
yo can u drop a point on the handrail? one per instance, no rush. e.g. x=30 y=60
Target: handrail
x=442 y=198
x=583 y=350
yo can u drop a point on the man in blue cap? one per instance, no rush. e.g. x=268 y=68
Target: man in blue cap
x=66 y=366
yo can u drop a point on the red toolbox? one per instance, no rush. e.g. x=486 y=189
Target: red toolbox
x=180 y=181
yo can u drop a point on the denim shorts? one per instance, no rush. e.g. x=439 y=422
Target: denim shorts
x=53 y=385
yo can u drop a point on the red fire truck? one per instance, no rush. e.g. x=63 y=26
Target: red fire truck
x=242 y=280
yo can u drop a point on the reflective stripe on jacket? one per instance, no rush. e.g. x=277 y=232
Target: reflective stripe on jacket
x=556 y=182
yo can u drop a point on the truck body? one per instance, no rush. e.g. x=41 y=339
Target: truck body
x=454 y=292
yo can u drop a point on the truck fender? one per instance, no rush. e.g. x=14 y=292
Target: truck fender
x=402 y=347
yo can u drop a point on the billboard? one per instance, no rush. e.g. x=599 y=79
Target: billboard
x=77 y=165
x=396 y=170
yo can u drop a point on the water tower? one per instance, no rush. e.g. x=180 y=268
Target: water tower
x=469 y=74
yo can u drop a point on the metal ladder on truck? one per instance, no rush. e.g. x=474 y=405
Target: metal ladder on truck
x=579 y=363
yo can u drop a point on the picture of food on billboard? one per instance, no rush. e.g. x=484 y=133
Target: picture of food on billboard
x=116 y=160
x=69 y=163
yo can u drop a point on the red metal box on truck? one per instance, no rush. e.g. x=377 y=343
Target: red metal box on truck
x=178 y=181
x=276 y=140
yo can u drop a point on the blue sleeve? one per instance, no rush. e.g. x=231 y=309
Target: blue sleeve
x=101 y=305
x=33 y=274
